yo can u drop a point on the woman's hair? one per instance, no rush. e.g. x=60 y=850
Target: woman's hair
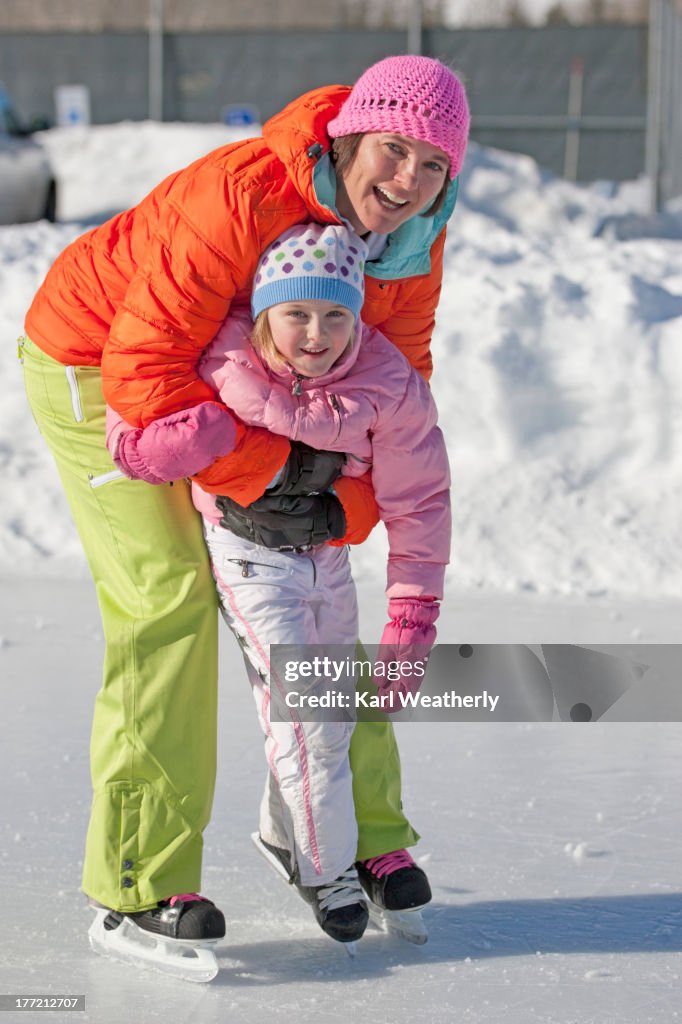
x=344 y=151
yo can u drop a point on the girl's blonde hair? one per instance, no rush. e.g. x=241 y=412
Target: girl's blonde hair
x=264 y=343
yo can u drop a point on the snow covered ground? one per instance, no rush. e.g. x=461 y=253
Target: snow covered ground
x=554 y=850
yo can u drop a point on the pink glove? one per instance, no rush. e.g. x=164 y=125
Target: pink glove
x=407 y=639
x=177 y=445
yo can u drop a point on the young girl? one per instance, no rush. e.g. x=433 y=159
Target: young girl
x=307 y=368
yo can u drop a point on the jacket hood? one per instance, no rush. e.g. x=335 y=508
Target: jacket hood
x=298 y=136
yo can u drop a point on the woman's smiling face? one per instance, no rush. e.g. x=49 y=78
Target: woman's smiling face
x=391 y=179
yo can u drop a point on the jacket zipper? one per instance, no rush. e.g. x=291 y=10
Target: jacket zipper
x=337 y=409
x=297 y=390
x=75 y=394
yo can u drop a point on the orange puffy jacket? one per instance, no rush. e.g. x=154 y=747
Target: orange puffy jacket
x=144 y=293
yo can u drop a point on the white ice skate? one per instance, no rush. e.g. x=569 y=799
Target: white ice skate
x=120 y=938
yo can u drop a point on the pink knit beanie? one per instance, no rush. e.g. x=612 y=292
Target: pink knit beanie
x=413 y=96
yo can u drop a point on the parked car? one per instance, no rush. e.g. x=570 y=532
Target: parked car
x=28 y=189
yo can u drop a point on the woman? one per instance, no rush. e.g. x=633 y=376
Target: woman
x=124 y=315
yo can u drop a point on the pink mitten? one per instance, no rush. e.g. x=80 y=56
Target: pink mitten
x=177 y=445
x=407 y=640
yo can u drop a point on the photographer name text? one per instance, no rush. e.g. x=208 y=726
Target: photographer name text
x=390 y=701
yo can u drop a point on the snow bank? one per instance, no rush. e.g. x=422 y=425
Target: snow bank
x=558 y=370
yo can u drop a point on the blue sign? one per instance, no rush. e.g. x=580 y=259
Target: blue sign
x=241 y=114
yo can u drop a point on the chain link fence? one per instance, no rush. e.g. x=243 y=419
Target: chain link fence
x=586 y=102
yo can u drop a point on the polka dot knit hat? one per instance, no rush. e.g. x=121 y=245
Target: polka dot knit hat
x=414 y=96
x=312 y=261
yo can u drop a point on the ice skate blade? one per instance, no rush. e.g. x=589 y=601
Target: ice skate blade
x=176 y=958
x=407 y=924
x=270 y=857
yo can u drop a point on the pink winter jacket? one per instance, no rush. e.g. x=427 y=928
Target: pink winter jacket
x=374 y=407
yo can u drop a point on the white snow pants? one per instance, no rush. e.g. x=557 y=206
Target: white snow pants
x=283 y=597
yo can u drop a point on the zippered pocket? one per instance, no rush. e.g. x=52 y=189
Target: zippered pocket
x=105 y=478
x=247 y=565
x=76 y=405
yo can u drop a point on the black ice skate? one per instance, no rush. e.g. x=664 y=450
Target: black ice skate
x=339 y=907
x=397 y=890
x=175 y=937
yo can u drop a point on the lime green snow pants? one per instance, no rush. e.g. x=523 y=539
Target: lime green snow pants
x=153 y=744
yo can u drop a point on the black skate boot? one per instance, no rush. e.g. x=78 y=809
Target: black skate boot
x=187 y=916
x=339 y=907
x=174 y=937
x=397 y=889
x=394 y=882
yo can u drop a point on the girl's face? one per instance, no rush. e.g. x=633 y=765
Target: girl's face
x=391 y=179
x=310 y=334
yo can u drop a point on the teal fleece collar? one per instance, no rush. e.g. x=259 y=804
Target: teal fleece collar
x=408 y=253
